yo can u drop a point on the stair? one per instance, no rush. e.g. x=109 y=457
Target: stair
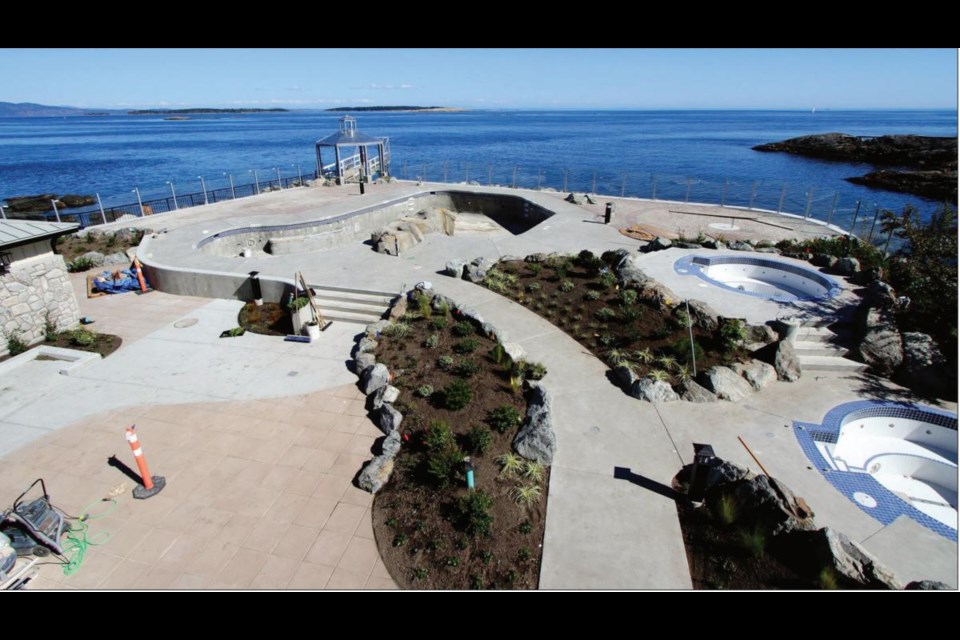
x=359 y=306
x=820 y=348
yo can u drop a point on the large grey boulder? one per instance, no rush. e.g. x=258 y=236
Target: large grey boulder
x=694 y=392
x=468 y=313
x=455 y=268
x=629 y=271
x=536 y=439
x=928 y=585
x=657 y=244
x=367 y=345
x=760 y=500
x=94 y=258
x=847 y=266
x=625 y=376
x=653 y=391
x=851 y=561
x=761 y=333
x=724 y=473
x=389 y=418
x=115 y=258
x=399 y=308
x=386 y=393
x=574 y=199
x=880 y=344
x=758 y=373
x=783 y=357
x=391 y=444
x=376 y=474
x=374 y=328
x=374 y=378
x=514 y=351
x=363 y=361
x=741 y=245
x=440 y=301
x=710 y=243
x=825 y=260
x=701 y=314
x=492 y=332
x=773 y=250
x=725 y=382
x=924 y=367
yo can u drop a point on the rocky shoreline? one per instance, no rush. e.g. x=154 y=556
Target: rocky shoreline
x=922 y=165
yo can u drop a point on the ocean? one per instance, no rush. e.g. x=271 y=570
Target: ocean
x=697 y=155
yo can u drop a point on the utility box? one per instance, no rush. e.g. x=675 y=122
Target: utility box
x=703 y=460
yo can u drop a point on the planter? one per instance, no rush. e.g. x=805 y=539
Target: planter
x=300 y=317
x=313 y=331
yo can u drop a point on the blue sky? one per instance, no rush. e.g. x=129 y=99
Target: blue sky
x=477 y=79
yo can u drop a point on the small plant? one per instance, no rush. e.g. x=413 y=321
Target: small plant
x=425 y=390
x=49 y=329
x=538 y=306
x=607 y=279
x=486 y=556
x=605 y=314
x=457 y=395
x=81 y=337
x=15 y=344
x=391 y=522
x=467 y=368
x=420 y=574
x=400 y=539
x=452 y=561
x=476 y=582
x=827 y=579
x=727 y=509
x=423 y=306
x=510 y=464
x=684 y=372
x=667 y=362
x=567 y=286
x=497 y=286
x=754 y=541
x=398 y=329
x=592 y=295
x=732 y=333
x=438 y=436
x=504 y=418
x=466 y=346
x=617 y=357
x=628 y=297
x=445 y=362
x=410 y=317
x=295 y=304
x=659 y=375
x=516 y=383
x=533 y=286
x=438 y=323
x=443 y=308
x=479 y=440
x=523 y=555
x=527 y=495
x=499 y=355
x=475 y=510
x=534 y=267
x=525 y=527
x=629 y=315
x=432 y=342
x=236 y=332
x=533 y=471
x=681 y=348
x=463 y=329
x=80 y=264
x=435 y=544
x=606 y=339
x=536 y=371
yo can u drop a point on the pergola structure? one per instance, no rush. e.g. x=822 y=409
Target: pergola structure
x=359 y=164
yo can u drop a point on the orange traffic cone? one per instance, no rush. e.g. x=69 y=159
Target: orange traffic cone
x=152 y=485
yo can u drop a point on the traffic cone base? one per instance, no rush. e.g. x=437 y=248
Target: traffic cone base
x=140 y=492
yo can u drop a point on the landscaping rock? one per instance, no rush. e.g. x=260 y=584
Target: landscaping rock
x=761 y=333
x=880 y=345
x=693 y=392
x=928 y=585
x=367 y=345
x=740 y=245
x=653 y=391
x=758 y=373
x=116 y=258
x=373 y=329
x=625 y=376
x=760 y=501
x=702 y=314
x=726 y=472
x=474 y=273
x=657 y=244
x=469 y=313
x=391 y=444
x=824 y=260
x=725 y=382
x=685 y=245
x=629 y=271
x=374 y=378
x=455 y=268
x=924 y=367
x=389 y=418
x=536 y=439
x=536 y=258
x=363 y=361
x=385 y=394
x=95 y=258
x=574 y=199
x=492 y=332
x=514 y=351
x=847 y=266
x=398 y=309
x=783 y=358
x=851 y=561
x=713 y=244
x=376 y=474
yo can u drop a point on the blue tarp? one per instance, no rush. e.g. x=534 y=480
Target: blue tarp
x=126 y=281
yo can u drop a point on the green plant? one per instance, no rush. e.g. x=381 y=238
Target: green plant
x=410 y=317
x=297 y=303
x=423 y=306
x=425 y=390
x=567 y=286
x=504 y=418
x=486 y=556
x=479 y=439
x=616 y=358
x=732 y=333
x=510 y=464
x=605 y=314
x=433 y=341
x=516 y=383
x=534 y=267
x=467 y=368
x=643 y=356
x=397 y=329
x=629 y=315
x=524 y=554
x=667 y=362
x=49 y=328
x=475 y=511
x=391 y=522
x=607 y=279
x=533 y=286
x=452 y=561
x=753 y=540
x=525 y=527
x=80 y=264
x=466 y=346
x=681 y=348
x=420 y=574
x=589 y=262
x=437 y=323
x=533 y=471
x=463 y=329
x=444 y=464
x=684 y=372
x=727 y=509
x=15 y=344
x=443 y=308
x=659 y=375
x=400 y=539
x=236 y=332
x=628 y=296
x=476 y=582
x=592 y=295
x=497 y=286
x=606 y=339
x=499 y=355
x=445 y=362
x=457 y=395
x=536 y=371
x=828 y=580
x=81 y=337
x=526 y=495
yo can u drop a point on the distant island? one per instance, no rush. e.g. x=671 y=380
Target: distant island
x=391 y=108
x=33 y=110
x=922 y=165
x=172 y=112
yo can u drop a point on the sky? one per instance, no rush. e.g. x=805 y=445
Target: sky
x=483 y=78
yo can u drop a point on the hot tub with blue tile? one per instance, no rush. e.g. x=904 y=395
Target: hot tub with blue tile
x=764 y=278
x=891 y=459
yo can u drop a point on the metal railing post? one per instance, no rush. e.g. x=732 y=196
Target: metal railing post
x=783 y=194
x=723 y=198
x=203 y=185
x=594 y=182
x=687 y=199
x=856 y=213
x=833 y=207
x=103 y=214
x=279 y=179
x=136 y=190
x=55 y=211
x=806 y=213
x=623 y=184
x=654 y=196
x=875 y=216
x=176 y=207
x=753 y=194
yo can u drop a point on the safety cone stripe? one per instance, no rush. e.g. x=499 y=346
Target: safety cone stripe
x=138 y=451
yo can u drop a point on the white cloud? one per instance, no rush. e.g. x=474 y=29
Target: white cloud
x=390 y=87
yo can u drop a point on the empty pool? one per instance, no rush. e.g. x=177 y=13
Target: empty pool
x=891 y=459
x=759 y=277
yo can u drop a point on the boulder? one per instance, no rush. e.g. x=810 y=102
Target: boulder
x=374 y=328
x=391 y=444
x=773 y=250
x=367 y=345
x=760 y=500
x=724 y=473
x=574 y=199
x=376 y=473
x=824 y=260
x=725 y=382
x=657 y=244
x=851 y=561
x=363 y=361
x=389 y=418
x=685 y=245
x=474 y=273
x=468 y=313
x=761 y=333
x=514 y=351
x=492 y=332
x=653 y=390
x=702 y=314
x=625 y=376
x=710 y=243
x=398 y=309
x=880 y=344
x=629 y=271
x=783 y=357
x=374 y=378
x=928 y=585
x=694 y=392
x=536 y=439
x=455 y=268
x=536 y=258
x=741 y=245
x=439 y=301
x=758 y=373
x=95 y=258
x=385 y=394
x=847 y=266
x=924 y=367
x=116 y=258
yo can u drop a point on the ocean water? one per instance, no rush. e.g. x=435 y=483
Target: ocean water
x=695 y=155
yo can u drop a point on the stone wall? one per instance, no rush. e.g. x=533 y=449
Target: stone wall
x=35 y=287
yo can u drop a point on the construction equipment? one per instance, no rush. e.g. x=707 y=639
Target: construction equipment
x=35 y=527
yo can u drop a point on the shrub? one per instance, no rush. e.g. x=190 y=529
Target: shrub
x=629 y=315
x=499 y=355
x=510 y=464
x=81 y=337
x=567 y=286
x=420 y=573
x=49 y=329
x=476 y=582
x=475 y=511
x=457 y=395
x=425 y=390
x=504 y=418
x=463 y=329
x=438 y=436
x=400 y=539
x=486 y=556
x=15 y=344
x=605 y=314
x=423 y=306
x=534 y=267
x=479 y=439
x=753 y=540
x=438 y=323
x=524 y=554
x=527 y=495
x=592 y=295
x=732 y=333
x=445 y=463
x=297 y=303
x=533 y=286
x=451 y=561
x=466 y=346
x=432 y=342
x=445 y=362
x=607 y=279
x=525 y=527
x=516 y=383
x=80 y=264
x=589 y=262
x=533 y=471
x=467 y=368
x=398 y=329
x=629 y=296
x=536 y=371
x=681 y=348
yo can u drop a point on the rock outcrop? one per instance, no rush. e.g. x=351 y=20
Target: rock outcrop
x=536 y=439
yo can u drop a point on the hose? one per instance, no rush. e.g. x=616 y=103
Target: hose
x=77 y=540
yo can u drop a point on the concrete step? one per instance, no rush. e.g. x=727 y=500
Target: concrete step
x=815 y=334
x=352 y=298
x=818 y=348
x=829 y=363
x=363 y=309
x=350 y=316
x=362 y=292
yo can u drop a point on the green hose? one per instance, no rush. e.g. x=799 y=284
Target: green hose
x=75 y=548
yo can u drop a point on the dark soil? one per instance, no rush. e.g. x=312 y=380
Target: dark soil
x=73 y=246
x=105 y=344
x=270 y=319
x=417 y=523
x=576 y=314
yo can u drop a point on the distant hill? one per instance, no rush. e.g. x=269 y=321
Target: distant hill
x=391 y=108
x=179 y=112
x=32 y=110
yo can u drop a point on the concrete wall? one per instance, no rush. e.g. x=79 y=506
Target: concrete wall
x=36 y=285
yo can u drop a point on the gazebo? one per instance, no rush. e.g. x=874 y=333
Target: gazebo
x=346 y=167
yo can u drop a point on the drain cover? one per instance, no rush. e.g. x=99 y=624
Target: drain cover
x=186 y=322
x=865 y=499
x=292 y=374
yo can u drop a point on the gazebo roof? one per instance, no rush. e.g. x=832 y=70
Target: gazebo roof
x=348 y=136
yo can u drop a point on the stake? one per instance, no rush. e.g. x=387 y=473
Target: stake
x=755 y=459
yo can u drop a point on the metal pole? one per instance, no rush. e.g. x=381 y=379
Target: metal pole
x=3 y=214
x=693 y=352
x=654 y=196
x=176 y=207
x=539 y=176
x=279 y=179
x=806 y=214
x=594 y=182
x=55 y=211
x=102 y=213
x=256 y=181
x=833 y=207
x=875 y=216
x=300 y=175
x=136 y=190
x=515 y=177
x=723 y=198
x=623 y=184
x=783 y=194
x=444 y=170
x=489 y=174
x=466 y=173
x=856 y=213
x=753 y=194
x=203 y=185
x=688 y=191
x=566 y=173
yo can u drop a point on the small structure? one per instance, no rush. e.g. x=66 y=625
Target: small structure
x=347 y=168
x=34 y=286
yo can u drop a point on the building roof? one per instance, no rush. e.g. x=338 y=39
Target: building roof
x=348 y=139
x=17 y=232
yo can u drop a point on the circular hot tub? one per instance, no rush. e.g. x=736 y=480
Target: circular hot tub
x=759 y=277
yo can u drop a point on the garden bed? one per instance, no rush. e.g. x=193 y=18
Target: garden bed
x=433 y=532
x=80 y=339
x=269 y=319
